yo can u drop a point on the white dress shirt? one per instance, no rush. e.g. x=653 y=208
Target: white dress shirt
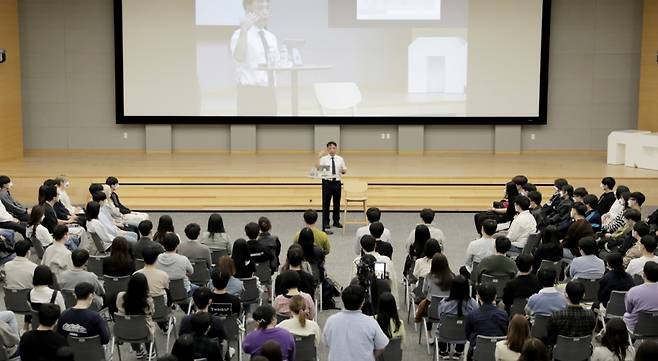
x=325 y=161
x=636 y=266
x=255 y=56
x=4 y=215
x=362 y=231
x=42 y=235
x=479 y=249
x=100 y=229
x=435 y=233
x=522 y=226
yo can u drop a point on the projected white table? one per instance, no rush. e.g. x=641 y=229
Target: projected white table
x=294 y=79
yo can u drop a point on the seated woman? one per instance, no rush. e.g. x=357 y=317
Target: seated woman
x=165 y=225
x=387 y=317
x=136 y=301
x=43 y=292
x=105 y=232
x=36 y=229
x=615 y=343
x=424 y=264
x=313 y=254
x=298 y=324
x=131 y=217
x=295 y=262
x=235 y=286
x=244 y=267
x=550 y=248
x=216 y=237
x=120 y=263
x=517 y=332
x=290 y=281
x=266 y=330
x=63 y=183
x=459 y=303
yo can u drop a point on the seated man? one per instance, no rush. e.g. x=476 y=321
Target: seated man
x=536 y=209
x=548 y=299
x=220 y=294
x=647 y=247
x=578 y=229
x=498 y=265
x=480 y=248
x=643 y=297
x=574 y=320
x=427 y=217
x=608 y=198
x=202 y=299
x=80 y=321
x=373 y=215
x=488 y=320
x=381 y=246
x=592 y=215
x=20 y=271
x=205 y=347
x=522 y=225
x=174 y=264
x=58 y=257
x=259 y=252
x=69 y=279
x=524 y=285
x=368 y=245
x=145 y=240
x=589 y=265
x=563 y=210
x=158 y=280
x=632 y=244
x=42 y=343
x=12 y=206
x=193 y=249
x=8 y=221
x=319 y=236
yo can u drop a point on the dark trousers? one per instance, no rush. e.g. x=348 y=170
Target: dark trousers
x=18 y=227
x=256 y=100
x=330 y=190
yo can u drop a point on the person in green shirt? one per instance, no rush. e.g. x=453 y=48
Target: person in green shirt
x=319 y=237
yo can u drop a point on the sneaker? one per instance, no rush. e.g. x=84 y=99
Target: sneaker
x=338 y=225
x=231 y=352
x=141 y=353
x=457 y=356
x=444 y=354
x=328 y=231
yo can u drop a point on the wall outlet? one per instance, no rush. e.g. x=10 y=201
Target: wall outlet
x=125 y=135
x=532 y=136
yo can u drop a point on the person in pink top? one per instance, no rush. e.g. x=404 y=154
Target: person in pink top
x=290 y=281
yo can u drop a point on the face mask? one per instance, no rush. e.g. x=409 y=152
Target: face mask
x=42 y=218
x=602 y=186
x=11 y=184
x=67 y=184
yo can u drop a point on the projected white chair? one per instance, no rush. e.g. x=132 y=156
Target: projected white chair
x=621 y=144
x=336 y=97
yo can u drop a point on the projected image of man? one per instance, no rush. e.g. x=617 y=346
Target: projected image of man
x=253 y=46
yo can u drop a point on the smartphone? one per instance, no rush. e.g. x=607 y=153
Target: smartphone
x=380 y=270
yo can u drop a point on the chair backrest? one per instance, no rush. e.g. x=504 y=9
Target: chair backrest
x=616 y=305
x=87 y=348
x=540 y=327
x=161 y=312
x=114 y=285
x=591 y=289
x=177 y=291
x=433 y=309
x=131 y=328
x=355 y=188
x=231 y=327
x=556 y=266
x=305 y=348
x=38 y=247
x=95 y=265
x=216 y=254
x=573 y=348
x=263 y=272
x=485 y=348
x=98 y=242
x=452 y=329
x=3 y=353
x=417 y=291
x=497 y=281
x=647 y=325
x=518 y=306
x=337 y=96
x=16 y=300
x=69 y=298
x=315 y=272
x=221 y=309
x=251 y=292
x=637 y=278
x=533 y=242
x=139 y=264
x=474 y=272
x=201 y=274
x=393 y=351
x=280 y=317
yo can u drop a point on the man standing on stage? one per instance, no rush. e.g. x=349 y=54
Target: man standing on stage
x=332 y=167
x=252 y=46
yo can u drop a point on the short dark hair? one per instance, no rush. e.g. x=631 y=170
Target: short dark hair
x=649 y=243
x=608 y=182
x=60 y=231
x=621 y=190
x=547 y=277
x=580 y=192
x=200 y=323
x=99 y=196
x=202 y=297
x=503 y=244
x=373 y=214
x=353 y=297
x=642 y=228
x=580 y=207
x=560 y=182
x=529 y=187
x=150 y=254
x=487 y=293
x=639 y=197
x=575 y=292
x=489 y=227
x=289 y=279
x=110 y=181
x=295 y=255
x=264 y=224
x=219 y=279
x=170 y=241
x=95 y=187
x=523 y=202
x=310 y=216
x=49 y=193
x=587 y=245
x=633 y=215
x=376 y=229
x=4 y=180
x=535 y=196
x=48 y=314
x=192 y=231
x=331 y=142
x=79 y=257
x=367 y=242
x=252 y=230
x=520 y=180
x=591 y=200
x=569 y=189
x=92 y=210
x=651 y=271
x=427 y=215
x=82 y=290
x=22 y=247
x=524 y=262
x=145 y=227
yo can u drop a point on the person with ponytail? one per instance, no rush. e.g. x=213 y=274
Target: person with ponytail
x=265 y=318
x=298 y=324
x=615 y=344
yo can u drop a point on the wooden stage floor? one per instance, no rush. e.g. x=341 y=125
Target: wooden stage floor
x=445 y=182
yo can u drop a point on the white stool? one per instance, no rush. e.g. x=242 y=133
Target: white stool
x=620 y=143
x=645 y=152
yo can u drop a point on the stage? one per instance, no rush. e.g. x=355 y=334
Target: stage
x=201 y=182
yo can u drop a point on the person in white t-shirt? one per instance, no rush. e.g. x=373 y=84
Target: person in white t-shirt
x=647 y=247
x=374 y=215
x=480 y=248
x=427 y=216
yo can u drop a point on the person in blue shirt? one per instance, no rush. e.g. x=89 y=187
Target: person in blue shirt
x=592 y=216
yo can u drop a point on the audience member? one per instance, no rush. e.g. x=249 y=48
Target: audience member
x=548 y=299
x=193 y=249
x=422 y=266
x=518 y=332
x=640 y=230
x=259 y=252
x=373 y=215
x=244 y=267
x=313 y=254
x=588 y=266
x=131 y=217
x=80 y=321
x=439 y=281
x=579 y=193
x=42 y=344
x=368 y=246
x=365 y=338
x=220 y=294
x=58 y=257
x=382 y=247
x=226 y=265
x=643 y=297
x=607 y=198
x=105 y=232
x=614 y=279
x=18 y=272
x=522 y=225
x=69 y=279
x=175 y=265
x=615 y=344
x=487 y=320
x=524 y=285
x=145 y=227
x=12 y=206
x=294 y=260
x=426 y=217
x=550 y=248
x=592 y=215
x=202 y=298
x=647 y=246
x=574 y=320
x=563 y=210
x=136 y=301
x=165 y=225
x=8 y=221
x=120 y=263
x=460 y=304
x=320 y=237
x=157 y=279
x=647 y=351
x=205 y=345
x=9 y=333
x=387 y=317
x=290 y=281
x=63 y=183
x=422 y=235
x=533 y=350
x=43 y=292
x=498 y=265
x=298 y=324
x=621 y=198
x=215 y=236
x=481 y=248
x=36 y=230
x=269 y=240
x=183 y=348
x=579 y=229
x=271 y=351
x=265 y=318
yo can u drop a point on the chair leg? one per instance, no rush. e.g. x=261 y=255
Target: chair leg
x=150 y=350
x=169 y=332
x=321 y=294
x=345 y=217
x=189 y=307
x=427 y=337
x=436 y=349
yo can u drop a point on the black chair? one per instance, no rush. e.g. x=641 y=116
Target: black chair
x=69 y=298
x=432 y=318
x=497 y=281
x=201 y=274
x=163 y=314
x=531 y=245
x=87 y=348
x=95 y=265
x=415 y=295
x=616 y=305
x=540 y=327
x=280 y=317
x=38 y=247
x=452 y=329
x=132 y=329
x=139 y=264
x=485 y=348
x=178 y=295
x=518 y=307
x=638 y=279
x=393 y=351
x=98 y=242
x=264 y=273
x=591 y=289
x=16 y=300
x=216 y=254
x=572 y=348
x=556 y=266
x=114 y=285
x=251 y=294
x=646 y=327
x=305 y=349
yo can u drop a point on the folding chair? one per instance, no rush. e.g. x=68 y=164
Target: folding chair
x=114 y=285
x=216 y=254
x=201 y=274
x=139 y=264
x=452 y=329
x=556 y=266
x=474 y=273
x=305 y=349
x=393 y=351
x=591 y=289
x=485 y=347
x=264 y=273
x=95 y=265
x=178 y=294
x=317 y=277
x=162 y=313
x=518 y=307
x=355 y=191
x=280 y=317
x=69 y=298
x=98 y=242
x=572 y=348
x=616 y=305
x=251 y=294
x=497 y=281
x=233 y=327
x=16 y=300
x=415 y=293
x=132 y=329
x=539 y=327
x=637 y=278
x=531 y=245
x=87 y=348
x=38 y=247
x=432 y=318
x=3 y=353
x=646 y=327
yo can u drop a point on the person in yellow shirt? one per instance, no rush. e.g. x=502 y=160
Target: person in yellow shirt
x=320 y=238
